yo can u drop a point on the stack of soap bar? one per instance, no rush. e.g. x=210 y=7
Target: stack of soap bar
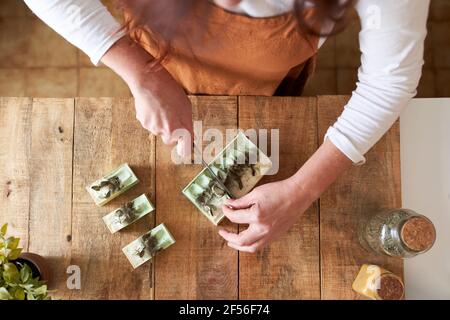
x=128 y=214
x=146 y=246
x=112 y=185
x=239 y=166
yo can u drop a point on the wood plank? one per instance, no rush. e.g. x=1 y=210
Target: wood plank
x=199 y=265
x=289 y=267
x=362 y=191
x=51 y=185
x=106 y=135
x=15 y=133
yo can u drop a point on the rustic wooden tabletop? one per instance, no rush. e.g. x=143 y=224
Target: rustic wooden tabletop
x=50 y=149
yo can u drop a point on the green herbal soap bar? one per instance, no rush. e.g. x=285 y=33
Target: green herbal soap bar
x=128 y=213
x=239 y=166
x=112 y=185
x=145 y=247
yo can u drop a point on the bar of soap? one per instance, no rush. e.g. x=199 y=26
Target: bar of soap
x=232 y=166
x=112 y=185
x=128 y=213
x=148 y=245
x=377 y=283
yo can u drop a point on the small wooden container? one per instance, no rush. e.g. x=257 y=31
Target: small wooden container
x=377 y=283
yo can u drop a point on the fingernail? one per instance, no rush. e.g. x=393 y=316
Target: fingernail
x=228 y=201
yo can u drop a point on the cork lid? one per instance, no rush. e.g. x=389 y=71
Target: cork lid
x=391 y=287
x=418 y=234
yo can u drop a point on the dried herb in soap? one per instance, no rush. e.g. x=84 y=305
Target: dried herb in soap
x=208 y=196
x=217 y=191
x=112 y=184
x=126 y=214
x=234 y=173
x=107 y=187
x=149 y=244
x=238 y=168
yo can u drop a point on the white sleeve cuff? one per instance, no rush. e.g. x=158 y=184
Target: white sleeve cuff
x=100 y=51
x=345 y=146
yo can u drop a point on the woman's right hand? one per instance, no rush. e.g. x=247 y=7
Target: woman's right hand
x=162 y=106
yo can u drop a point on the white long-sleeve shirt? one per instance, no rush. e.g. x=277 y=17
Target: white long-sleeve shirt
x=391 y=43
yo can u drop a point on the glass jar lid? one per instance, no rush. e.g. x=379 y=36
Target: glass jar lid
x=418 y=234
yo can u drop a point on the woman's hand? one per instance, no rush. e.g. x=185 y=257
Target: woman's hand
x=269 y=210
x=162 y=106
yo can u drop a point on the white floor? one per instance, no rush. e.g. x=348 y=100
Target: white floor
x=425 y=165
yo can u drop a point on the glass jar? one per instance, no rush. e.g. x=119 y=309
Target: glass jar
x=399 y=233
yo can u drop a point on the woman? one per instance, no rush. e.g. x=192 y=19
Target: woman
x=253 y=47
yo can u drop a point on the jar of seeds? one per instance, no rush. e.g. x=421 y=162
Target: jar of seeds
x=398 y=233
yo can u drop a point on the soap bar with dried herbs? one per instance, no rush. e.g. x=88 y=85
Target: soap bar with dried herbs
x=128 y=213
x=112 y=185
x=239 y=166
x=148 y=245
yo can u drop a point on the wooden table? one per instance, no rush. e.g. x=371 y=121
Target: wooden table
x=50 y=149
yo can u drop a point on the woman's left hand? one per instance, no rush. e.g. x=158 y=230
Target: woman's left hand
x=269 y=210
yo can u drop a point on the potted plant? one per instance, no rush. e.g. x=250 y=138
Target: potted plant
x=22 y=276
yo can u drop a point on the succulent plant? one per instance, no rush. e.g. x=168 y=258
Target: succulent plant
x=16 y=278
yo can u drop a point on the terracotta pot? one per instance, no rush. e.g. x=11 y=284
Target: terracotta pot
x=38 y=265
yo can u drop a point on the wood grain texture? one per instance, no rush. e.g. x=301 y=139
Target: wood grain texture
x=289 y=267
x=51 y=185
x=360 y=192
x=199 y=265
x=50 y=149
x=106 y=135
x=15 y=134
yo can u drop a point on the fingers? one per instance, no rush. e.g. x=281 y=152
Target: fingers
x=182 y=136
x=242 y=210
x=184 y=146
x=167 y=139
x=238 y=216
x=242 y=203
x=258 y=245
x=245 y=238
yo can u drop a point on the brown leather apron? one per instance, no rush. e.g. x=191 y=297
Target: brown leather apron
x=232 y=54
